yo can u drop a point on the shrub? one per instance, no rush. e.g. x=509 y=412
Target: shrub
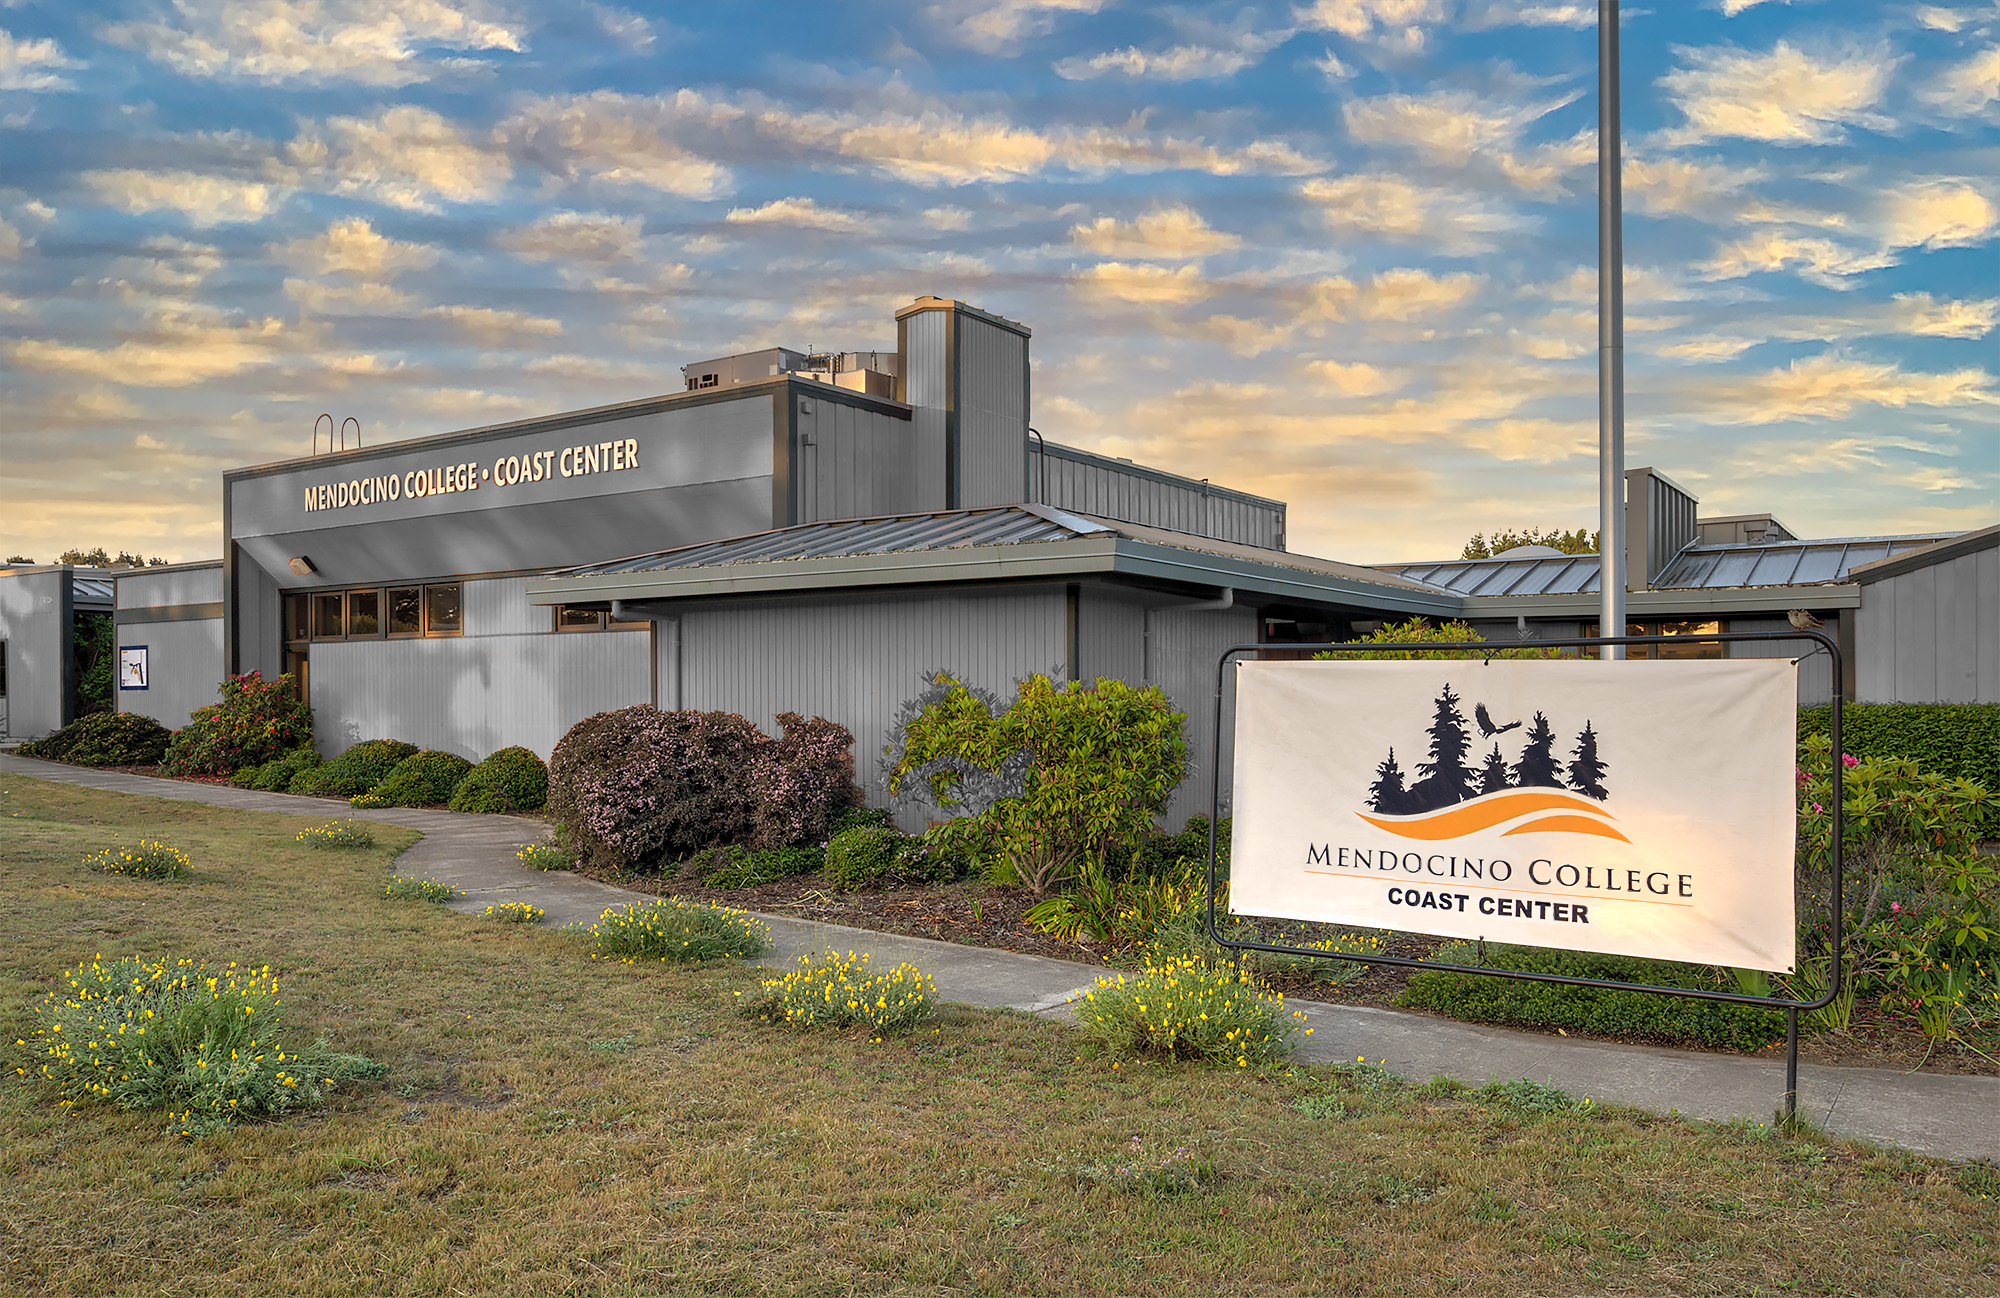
x=154 y=1034
x=672 y=929
x=277 y=775
x=104 y=739
x=149 y=860
x=355 y=771
x=861 y=856
x=1649 y=1016
x=838 y=991
x=513 y=912
x=870 y=817
x=254 y=722
x=551 y=853
x=638 y=787
x=1956 y=740
x=337 y=835
x=423 y=779
x=1421 y=631
x=1067 y=774
x=406 y=887
x=513 y=779
x=1189 y=1010
x=736 y=867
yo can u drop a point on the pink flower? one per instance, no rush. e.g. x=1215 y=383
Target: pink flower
x=1849 y=759
x=1818 y=810
x=1895 y=907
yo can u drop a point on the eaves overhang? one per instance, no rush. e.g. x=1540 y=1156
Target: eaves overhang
x=1088 y=556
x=1725 y=600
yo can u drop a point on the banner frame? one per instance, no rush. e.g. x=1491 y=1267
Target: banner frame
x=1224 y=683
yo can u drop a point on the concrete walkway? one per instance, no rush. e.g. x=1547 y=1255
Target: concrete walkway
x=1954 y=1117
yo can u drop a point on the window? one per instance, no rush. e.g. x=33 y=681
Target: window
x=443 y=607
x=1665 y=652
x=364 y=614
x=406 y=610
x=329 y=620
x=569 y=617
x=298 y=614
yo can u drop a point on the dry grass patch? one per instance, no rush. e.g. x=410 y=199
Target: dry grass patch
x=550 y=1124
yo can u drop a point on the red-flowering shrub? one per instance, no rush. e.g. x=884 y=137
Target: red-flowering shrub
x=255 y=722
x=639 y=787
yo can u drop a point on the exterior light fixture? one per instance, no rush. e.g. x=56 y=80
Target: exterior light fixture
x=302 y=566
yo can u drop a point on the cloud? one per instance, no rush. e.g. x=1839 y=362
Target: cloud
x=1395 y=24
x=1144 y=285
x=1941 y=20
x=1453 y=128
x=577 y=237
x=1938 y=214
x=1456 y=224
x=1920 y=313
x=405 y=156
x=1820 y=260
x=1166 y=234
x=1400 y=295
x=361 y=297
x=315 y=42
x=627 y=28
x=1509 y=14
x=1969 y=87
x=10 y=242
x=1177 y=63
x=1684 y=187
x=1787 y=96
x=797 y=211
x=624 y=140
x=179 y=350
x=1358 y=379
x=32 y=64
x=1001 y=26
x=352 y=247
x=496 y=328
x=202 y=198
x=947 y=218
x=1830 y=386
x=1706 y=348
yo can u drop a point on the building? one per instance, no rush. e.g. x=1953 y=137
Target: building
x=822 y=533
x=42 y=608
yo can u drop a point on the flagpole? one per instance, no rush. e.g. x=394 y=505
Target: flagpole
x=1610 y=339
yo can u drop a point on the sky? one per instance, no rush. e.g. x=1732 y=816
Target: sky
x=1340 y=253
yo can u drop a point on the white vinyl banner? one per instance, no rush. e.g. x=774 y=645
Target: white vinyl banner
x=1635 y=808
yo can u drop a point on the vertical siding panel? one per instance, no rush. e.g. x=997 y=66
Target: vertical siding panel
x=1875 y=643
x=1958 y=630
x=1185 y=648
x=1815 y=665
x=1989 y=618
x=184 y=664
x=1916 y=636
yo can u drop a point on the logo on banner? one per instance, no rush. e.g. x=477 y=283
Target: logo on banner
x=1452 y=798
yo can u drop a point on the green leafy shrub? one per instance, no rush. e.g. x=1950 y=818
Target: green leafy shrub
x=337 y=835
x=1955 y=740
x=160 y=1035
x=738 y=867
x=149 y=860
x=513 y=912
x=670 y=929
x=554 y=852
x=832 y=990
x=639 y=787
x=407 y=887
x=1064 y=775
x=104 y=739
x=1422 y=631
x=513 y=779
x=861 y=856
x=254 y=721
x=868 y=817
x=1649 y=1016
x=424 y=779
x=277 y=775
x=355 y=771
x=1189 y=1010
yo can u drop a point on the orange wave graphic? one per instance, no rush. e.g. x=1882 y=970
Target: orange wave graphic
x=1568 y=825
x=1484 y=813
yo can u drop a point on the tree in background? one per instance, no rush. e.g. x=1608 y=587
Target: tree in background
x=19 y=558
x=1482 y=546
x=1443 y=640
x=99 y=559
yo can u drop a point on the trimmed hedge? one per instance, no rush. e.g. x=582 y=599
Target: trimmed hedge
x=1649 y=1016
x=513 y=779
x=861 y=856
x=276 y=776
x=355 y=771
x=1959 y=740
x=104 y=739
x=423 y=779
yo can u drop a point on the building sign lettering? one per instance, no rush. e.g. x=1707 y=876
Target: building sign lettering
x=615 y=456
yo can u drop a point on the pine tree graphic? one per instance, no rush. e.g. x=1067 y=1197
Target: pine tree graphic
x=1586 y=773
x=1446 y=778
x=1537 y=767
x=1387 y=794
x=1493 y=775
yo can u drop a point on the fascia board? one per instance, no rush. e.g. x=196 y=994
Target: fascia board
x=1668 y=603
x=1957 y=547
x=1142 y=559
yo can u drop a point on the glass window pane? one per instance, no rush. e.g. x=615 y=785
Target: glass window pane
x=571 y=618
x=641 y=624
x=406 y=610
x=298 y=614
x=364 y=612
x=328 y=622
x=441 y=610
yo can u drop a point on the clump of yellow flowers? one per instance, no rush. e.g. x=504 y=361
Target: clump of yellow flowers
x=842 y=991
x=409 y=887
x=337 y=835
x=177 y=1035
x=513 y=912
x=149 y=860
x=670 y=929
x=1192 y=1010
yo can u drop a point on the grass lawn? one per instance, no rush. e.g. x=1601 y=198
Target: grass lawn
x=553 y=1124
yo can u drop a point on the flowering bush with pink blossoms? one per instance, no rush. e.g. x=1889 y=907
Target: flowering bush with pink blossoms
x=639 y=788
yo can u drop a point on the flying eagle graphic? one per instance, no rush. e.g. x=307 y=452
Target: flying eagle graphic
x=1486 y=726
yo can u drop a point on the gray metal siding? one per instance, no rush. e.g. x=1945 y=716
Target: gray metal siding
x=259 y=647
x=856 y=463
x=1185 y=648
x=1111 y=634
x=37 y=638
x=925 y=383
x=992 y=414
x=499 y=606
x=167 y=589
x=856 y=661
x=1103 y=488
x=1815 y=665
x=1929 y=635
x=183 y=668
x=472 y=695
